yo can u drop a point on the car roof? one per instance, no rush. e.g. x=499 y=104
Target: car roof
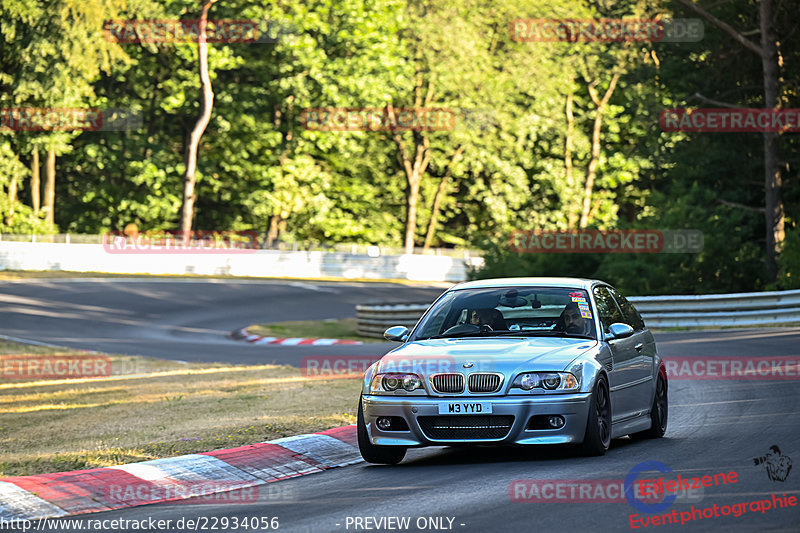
x=572 y=283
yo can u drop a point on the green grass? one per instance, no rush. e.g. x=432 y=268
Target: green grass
x=344 y=328
x=150 y=408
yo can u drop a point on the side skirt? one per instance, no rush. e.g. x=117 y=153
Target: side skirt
x=641 y=422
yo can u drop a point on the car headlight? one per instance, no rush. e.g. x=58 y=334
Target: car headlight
x=395 y=381
x=560 y=381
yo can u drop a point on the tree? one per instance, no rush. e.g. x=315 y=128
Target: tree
x=206 y=106
x=50 y=56
x=768 y=52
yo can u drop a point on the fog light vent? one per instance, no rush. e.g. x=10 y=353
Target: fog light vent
x=551 y=422
x=391 y=423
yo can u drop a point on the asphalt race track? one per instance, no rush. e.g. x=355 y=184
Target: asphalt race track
x=714 y=426
x=186 y=319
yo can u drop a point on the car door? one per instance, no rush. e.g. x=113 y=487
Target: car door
x=622 y=377
x=645 y=346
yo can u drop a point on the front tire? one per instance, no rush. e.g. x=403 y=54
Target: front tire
x=597 y=439
x=658 y=412
x=373 y=453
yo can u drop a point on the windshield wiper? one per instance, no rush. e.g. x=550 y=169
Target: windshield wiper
x=543 y=333
x=512 y=333
x=576 y=335
x=464 y=334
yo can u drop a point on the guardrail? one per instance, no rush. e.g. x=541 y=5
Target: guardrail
x=373 y=320
x=739 y=309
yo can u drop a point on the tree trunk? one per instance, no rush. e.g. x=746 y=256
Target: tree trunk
x=206 y=105
x=773 y=214
x=12 y=200
x=272 y=232
x=50 y=187
x=412 y=197
x=12 y=193
x=437 y=200
x=571 y=215
x=598 y=124
x=414 y=172
x=36 y=187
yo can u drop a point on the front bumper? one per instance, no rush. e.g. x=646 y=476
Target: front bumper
x=573 y=407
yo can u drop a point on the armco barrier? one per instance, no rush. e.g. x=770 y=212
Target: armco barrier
x=740 y=309
x=373 y=320
x=258 y=263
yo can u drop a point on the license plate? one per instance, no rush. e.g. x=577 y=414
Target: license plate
x=464 y=408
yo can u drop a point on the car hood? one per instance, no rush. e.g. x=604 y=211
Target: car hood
x=507 y=355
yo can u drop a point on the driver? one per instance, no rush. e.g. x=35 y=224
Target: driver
x=573 y=321
x=479 y=317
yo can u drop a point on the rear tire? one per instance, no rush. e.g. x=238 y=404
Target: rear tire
x=373 y=453
x=597 y=439
x=658 y=412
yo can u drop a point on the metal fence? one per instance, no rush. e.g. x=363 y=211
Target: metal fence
x=740 y=309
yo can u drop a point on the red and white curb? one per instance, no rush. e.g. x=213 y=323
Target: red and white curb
x=172 y=479
x=244 y=335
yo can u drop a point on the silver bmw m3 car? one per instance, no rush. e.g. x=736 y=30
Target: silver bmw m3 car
x=516 y=361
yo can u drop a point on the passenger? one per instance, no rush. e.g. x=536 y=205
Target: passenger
x=572 y=321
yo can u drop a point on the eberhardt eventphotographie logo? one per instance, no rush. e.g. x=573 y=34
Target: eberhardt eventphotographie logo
x=777 y=465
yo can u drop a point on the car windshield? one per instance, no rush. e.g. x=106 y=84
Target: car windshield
x=510 y=311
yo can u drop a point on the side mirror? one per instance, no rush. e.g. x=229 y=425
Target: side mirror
x=620 y=331
x=398 y=334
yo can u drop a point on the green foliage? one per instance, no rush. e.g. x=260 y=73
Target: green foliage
x=789 y=261
x=259 y=168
